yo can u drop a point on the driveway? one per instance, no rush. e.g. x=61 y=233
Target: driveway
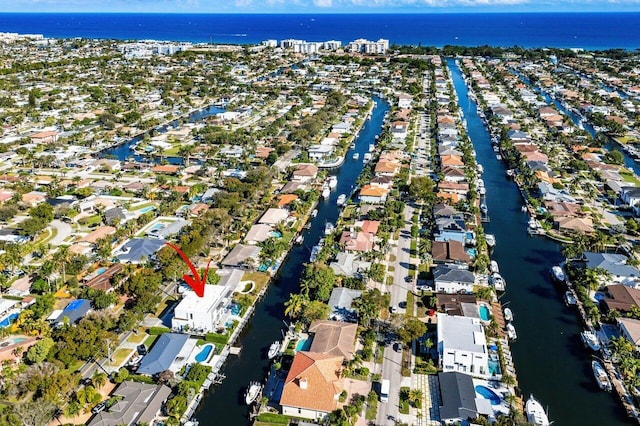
x=63 y=232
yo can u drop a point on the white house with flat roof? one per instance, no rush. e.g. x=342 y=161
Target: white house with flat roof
x=462 y=345
x=201 y=314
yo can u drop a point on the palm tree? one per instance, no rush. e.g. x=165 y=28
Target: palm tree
x=62 y=257
x=295 y=305
x=99 y=379
x=415 y=397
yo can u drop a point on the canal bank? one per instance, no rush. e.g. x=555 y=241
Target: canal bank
x=550 y=360
x=224 y=404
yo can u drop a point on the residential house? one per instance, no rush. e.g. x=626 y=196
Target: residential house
x=103 y=281
x=304 y=173
x=449 y=252
x=621 y=298
x=34 y=198
x=341 y=302
x=347 y=264
x=138 y=403
x=615 y=265
x=583 y=225
x=138 y=250
x=630 y=329
x=169 y=352
x=459 y=400
x=241 y=255
x=370 y=194
x=73 y=312
x=450 y=279
x=357 y=241
x=258 y=233
x=274 y=216
x=462 y=345
x=336 y=338
x=201 y=314
x=165 y=230
x=45 y=137
x=312 y=386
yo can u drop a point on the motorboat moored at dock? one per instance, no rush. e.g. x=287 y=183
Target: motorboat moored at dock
x=252 y=393
x=590 y=340
x=535 y=413
x=601 y=376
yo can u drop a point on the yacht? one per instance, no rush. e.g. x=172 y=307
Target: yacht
x=252 y=392
x=570 y=299
x=535 y=413
x=329 y=228
x=482 y=190
x=493 y=266
x=333 y=182
x=498 y=282
x=367 y=157
x=326 y=192
x=490 y=239
x=508 y=315
x=352 y=146
x=314 y=253
x=342 y=198
x=356 y=155
x=479 y=168
x=558 y=274
x=511 y=332
x=483 y=208
x=371 y=147
x=299 y=239
x=601 y=376
x=590 y=340
x=314 y=213
x=274 y=349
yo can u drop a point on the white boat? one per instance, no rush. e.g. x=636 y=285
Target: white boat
x=342 y=198
x=483 y=208
x=367 y=157
x=558 y=274
x=314 y=253
x=511 y=332
x=590 y=340
x=371 y=147
x=498 y=282
x=482 y=190
x=326 y=192
x=329 y=228
x=314 y=213
x=274 y=349
x=533 y=223
x=356 y=155
x=570 y=299
x=333 y=182
x=490 y=239
x=252 y=392
x=601 y=376
x=352 y=146
x=508 y=315
x=535 y=413
x=493 y=266
x=479 y=168
x=299 y=239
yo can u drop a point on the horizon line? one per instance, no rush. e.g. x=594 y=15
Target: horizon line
x=415 y=12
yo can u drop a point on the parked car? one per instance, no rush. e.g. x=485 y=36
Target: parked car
x=99 y=407
x=142 y=350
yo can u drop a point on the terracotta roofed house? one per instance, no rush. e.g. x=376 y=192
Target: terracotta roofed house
x=312 y=386
x=334 y=338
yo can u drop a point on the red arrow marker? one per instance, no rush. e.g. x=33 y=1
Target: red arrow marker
x=194 y=280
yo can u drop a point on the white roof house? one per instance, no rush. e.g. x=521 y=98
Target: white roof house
x=462 y=345
x=274 y=216
x=201 y=314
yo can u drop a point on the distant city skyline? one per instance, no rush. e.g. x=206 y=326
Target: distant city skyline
x=317 y=6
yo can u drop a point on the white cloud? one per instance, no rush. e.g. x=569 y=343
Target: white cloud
x=323 y=3
x=243 y=3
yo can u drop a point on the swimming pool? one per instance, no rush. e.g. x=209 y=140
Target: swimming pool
x=146 y=209
x=204 y=354
x=276 y=234
x=303 y=345
x=156 y=227
x=101 y=270
x=484 y=312
x=8 y=320
x=487 y=393
x=494 y=367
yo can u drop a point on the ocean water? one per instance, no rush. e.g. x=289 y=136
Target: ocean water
x=590 y=31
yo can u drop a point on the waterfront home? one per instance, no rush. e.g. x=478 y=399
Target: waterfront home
x=347 y=264
x=463 y=305
x=621 y=298
x=449 y=252
x=341 y=301
x=320 y=152
x=138 y=250
x=630 y=329
x=357 y=241
x=385 y=182
x=200 y=315
x=462 y=345
x=452 y=279
x=273 y=216
x=453 y=174
x=312 y=386
x=336 y=338
x=370 y=194
x=241 y=256
x=615 y=265
x=169 y=352
x=258 y=233
x=549 y=193
x=138 y=403
x=631 y=196
x=459 y=400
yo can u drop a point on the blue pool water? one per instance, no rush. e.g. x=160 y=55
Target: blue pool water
x=203 y=355
x=8 y=320
x=276 y=234
x=487 y=393
x=101 y=270
x=303 y=345
x=494 y=367
x=483 y=310
x=471 y=252
x=235 y=309
x=147 y=209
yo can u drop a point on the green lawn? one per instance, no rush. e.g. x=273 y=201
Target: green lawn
x=410 y=304
x=137 y=338
x=120 y=356
x=149 y=341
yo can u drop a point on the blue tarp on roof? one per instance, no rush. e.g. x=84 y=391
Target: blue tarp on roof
x=75 y=311
x=163 y=353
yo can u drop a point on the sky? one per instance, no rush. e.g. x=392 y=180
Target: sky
x=317 y=6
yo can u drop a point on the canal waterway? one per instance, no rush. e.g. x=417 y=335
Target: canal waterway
x=224 y=404
x=550 y=360
x=124 y=151
x=610 y=145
